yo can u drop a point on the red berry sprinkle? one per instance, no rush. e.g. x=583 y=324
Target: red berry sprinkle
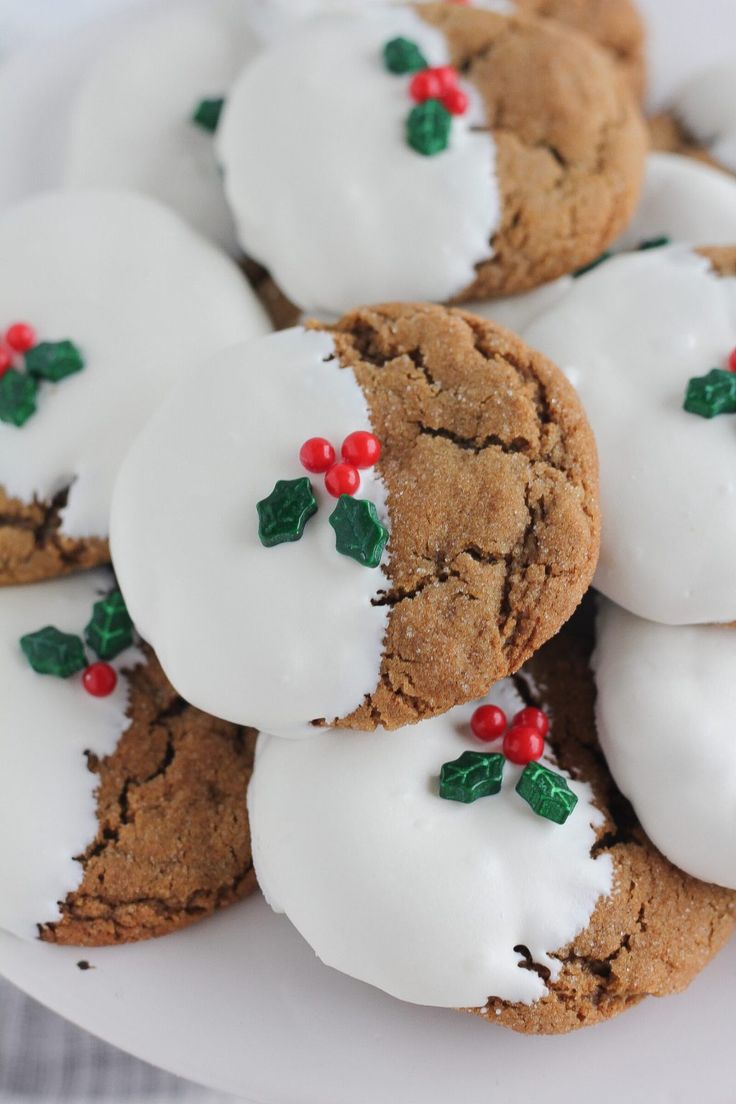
x=342 y=479
x=6 y=360
x=425 y=85
x=523 y=744
x=361 y=449
x=99 y=680
x=446 y=75
x=533 y=718
x=488 y=723
x=732 y=361
x=317 y=454
x=455 y=101
x=21 y=337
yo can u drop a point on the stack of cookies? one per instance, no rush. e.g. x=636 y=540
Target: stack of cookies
x=361 y=342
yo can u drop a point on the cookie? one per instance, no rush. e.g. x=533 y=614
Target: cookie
x=120 y=299
x=664 y=714
x=485 y=905
x=527 y=181
x=485 y=489
x=122 y=809
x=631 y=336
x=702 y=119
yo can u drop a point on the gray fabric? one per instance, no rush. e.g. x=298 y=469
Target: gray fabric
x=45 y=1060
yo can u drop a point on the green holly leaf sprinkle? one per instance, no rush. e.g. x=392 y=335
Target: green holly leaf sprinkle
x=654 y=243
x=17 y=397
x=283 y=515
x=712 y=394
x=547 y=792
x=401 y=56
x=593 y=264
x=475 y=774
x=358 y=530
x=51 y=652
x=428 y=128
x=54 y=360
x=207 y=113
x=110 y=631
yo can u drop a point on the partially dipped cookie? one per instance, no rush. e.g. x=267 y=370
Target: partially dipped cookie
x=664 y=708
x=366 y=523
x=428 y=165
x=648 y=340
x=108 y=299
x=435 y=865
x=122 y=811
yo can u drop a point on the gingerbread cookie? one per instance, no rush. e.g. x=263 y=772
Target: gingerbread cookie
x=665 y=710
x=122 y=807
x=702 y=120
x=107 y=299
x=465 y=181
x=648 y=340
x=466 y=546
x=507 y=877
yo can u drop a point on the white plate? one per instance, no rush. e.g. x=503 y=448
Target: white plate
x=240 y=1003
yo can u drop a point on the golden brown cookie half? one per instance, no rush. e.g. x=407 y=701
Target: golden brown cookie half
x=491 y=473
x=570 y=143
x=173 y=843
x=659 y=927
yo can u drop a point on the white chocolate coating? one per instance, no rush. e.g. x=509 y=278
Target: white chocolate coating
x=630 y=335
x=47 y=803
x=131 y=124
x=271 y=637
x=143 y=297
x=707 y=107
x=366 y=218
x=684 y=200
x=422 y=897
x=665 y=716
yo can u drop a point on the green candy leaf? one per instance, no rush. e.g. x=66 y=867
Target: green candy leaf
x=51 y=652
x=654 y=243
x=207 y=113
x=17 y=397
x=712 y=394
x=54 y=360
x=401 y=56
x=428 y=128
x=593 y=264
x=110 y=631
x=475 y=774
x=283 y=515
x=547 y=792
x=358 y=530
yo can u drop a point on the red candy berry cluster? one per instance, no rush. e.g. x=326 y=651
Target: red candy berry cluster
x=523 y=739
x=18 y=339
x=439 y=83
x=342 y=477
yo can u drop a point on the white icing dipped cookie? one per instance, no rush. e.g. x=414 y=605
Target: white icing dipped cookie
x=143 y=299
x=406 y=200
x=47 y=804
x=630 y=335
x=417 y=895
x=421 y=585
x=132 y=123
x=665 y=715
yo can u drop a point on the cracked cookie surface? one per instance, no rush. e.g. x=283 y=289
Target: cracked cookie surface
x=173 y=842
x=659 y=927
x=32 y=547
x=491 y=474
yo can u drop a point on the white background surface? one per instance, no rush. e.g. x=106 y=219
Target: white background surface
x=240 y=1003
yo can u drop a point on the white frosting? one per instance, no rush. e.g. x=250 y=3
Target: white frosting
x=131 y=125
x=272 y=637
x=685 y=201
x=630 y=335
x=422 y=897
x=707 y=108
x=365 y=218
x=144 y=299
x=47 y=802
x=516 y=312
x=665 y=714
